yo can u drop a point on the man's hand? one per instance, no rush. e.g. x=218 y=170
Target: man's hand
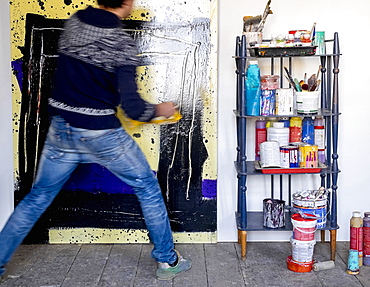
x=166 y=109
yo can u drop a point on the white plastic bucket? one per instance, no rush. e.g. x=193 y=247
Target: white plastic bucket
x=303 y=228
x=308 y=102
x=302 y=251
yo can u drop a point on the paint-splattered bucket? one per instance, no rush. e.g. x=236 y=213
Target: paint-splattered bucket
x=302 y=251
x=303 y=228
x=315 y=207
x=273 y=213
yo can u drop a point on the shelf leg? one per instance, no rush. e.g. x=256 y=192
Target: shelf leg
x=322 y=236
x=333 y=244
x=242 y=240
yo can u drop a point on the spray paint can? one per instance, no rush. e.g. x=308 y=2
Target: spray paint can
x=261 y=136
x=356 y=235
x=319 y=130
x=325 y=265
x=353 y=267
x=308 y=132
x=295 y=130
x=366 y=232
x=285 y=121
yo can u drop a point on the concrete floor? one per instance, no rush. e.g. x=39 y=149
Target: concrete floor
x=214 y=265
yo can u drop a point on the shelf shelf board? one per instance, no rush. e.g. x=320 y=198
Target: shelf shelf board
x=255 y=223
x=321 y=112
x=251 y=170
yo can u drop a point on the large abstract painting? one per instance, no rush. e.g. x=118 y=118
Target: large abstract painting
x=177 y=45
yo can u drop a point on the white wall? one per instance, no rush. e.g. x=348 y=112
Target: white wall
x=350 y=20
x=6 y=140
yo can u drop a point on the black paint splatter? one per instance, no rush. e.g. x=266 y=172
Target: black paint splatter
x=68 y=2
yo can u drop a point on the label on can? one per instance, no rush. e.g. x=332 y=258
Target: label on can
x=293 y=156
x=308 y=156
x=270 y=154
x=284 y=157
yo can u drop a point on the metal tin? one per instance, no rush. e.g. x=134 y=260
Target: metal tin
x=308 y=155
x=289 y=156
x=270 y=154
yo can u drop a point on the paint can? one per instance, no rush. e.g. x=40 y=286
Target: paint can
x=303 y=228
x=298 y=266
x=319 y=212
x=312 y=202
x=308 y=155
x=270 y=154
x=293 y=156
x=273 y=213
x=284 y=156
x=325 y=265
x=302 y=251
x=353 y=267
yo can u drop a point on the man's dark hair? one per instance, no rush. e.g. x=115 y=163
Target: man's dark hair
x=111 y=3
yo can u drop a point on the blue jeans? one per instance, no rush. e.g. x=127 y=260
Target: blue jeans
x=66 y=147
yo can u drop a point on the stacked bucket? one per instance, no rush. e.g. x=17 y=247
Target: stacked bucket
x=303 y=242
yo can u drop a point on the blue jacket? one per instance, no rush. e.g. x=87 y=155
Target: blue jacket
x=96 y=72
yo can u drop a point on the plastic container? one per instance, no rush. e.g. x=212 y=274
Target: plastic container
x=278 y=133
x=253 y=89
x=320 y=43
x=356 y=235
x=261 y=136
x=366 y=233
x=308 y=131
x=303 y=228
x=319 y=135
x=269 y=82
x=308 y=102
x=268 y=102
x=295 y=130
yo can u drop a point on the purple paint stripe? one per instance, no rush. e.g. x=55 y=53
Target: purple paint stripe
x=95 y=178
x=18 y=72
x=209 y=188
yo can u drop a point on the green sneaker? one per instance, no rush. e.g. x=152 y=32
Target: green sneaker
x=166 y=272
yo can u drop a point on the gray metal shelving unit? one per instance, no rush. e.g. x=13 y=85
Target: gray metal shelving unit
x=253 y=221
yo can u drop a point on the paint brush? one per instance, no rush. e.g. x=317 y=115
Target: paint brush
x=290 y=79
x=313 y=32
x=266 y=12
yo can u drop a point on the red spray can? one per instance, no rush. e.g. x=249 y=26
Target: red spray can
x=366 y=229
x=356 y=235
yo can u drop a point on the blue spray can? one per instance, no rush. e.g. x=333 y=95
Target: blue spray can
x=308 y=131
